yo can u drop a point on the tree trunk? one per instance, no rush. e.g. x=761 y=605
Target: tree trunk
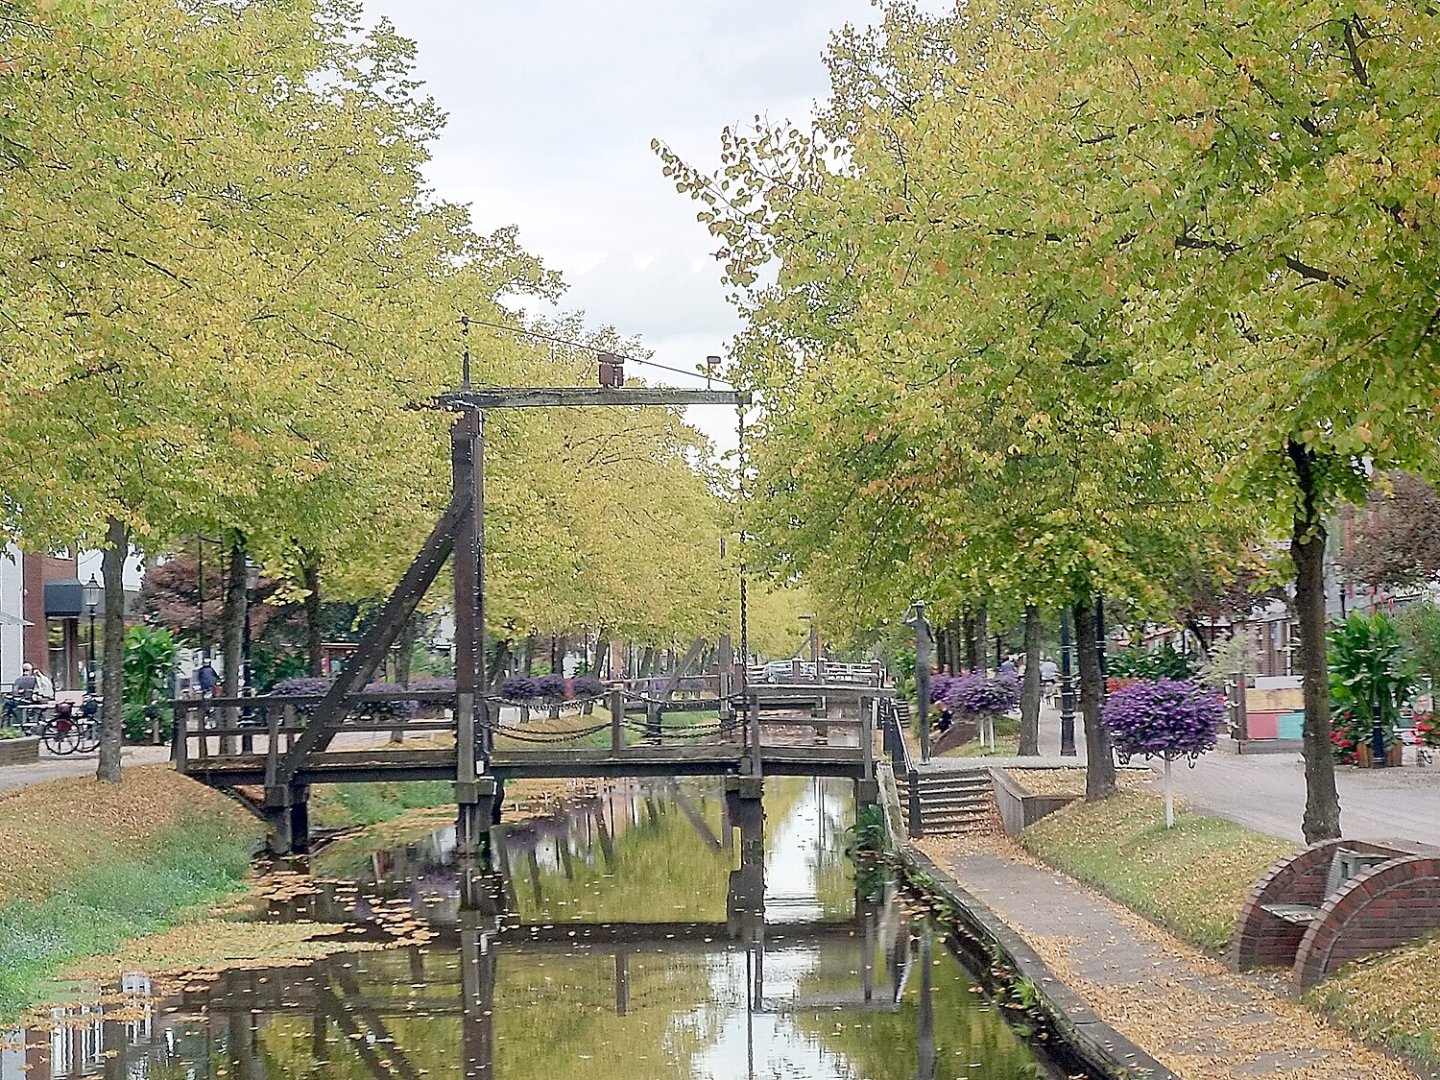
x=1307 y=551
x=647 y=661
x=528 y=660
x=232 y=630
x=314 y=653
x=1099 y=763
x=982 y=637
x=112 y=687
x=602 y=650
x=972 y=652
x=501 y=664
x=1030 y=690
x=405 y=645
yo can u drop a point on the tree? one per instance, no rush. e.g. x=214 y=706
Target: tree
x=1167 y=718
x=949 y=402
x=1396 y=540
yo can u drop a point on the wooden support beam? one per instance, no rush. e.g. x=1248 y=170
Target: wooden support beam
x=376 y=643
x=532 y=397
x=465 y=467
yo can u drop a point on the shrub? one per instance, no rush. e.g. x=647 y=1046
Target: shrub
x=1164 y=718
x=976 y=694
x=520 y=688
x=551 y=687
x=314 y=686
x=1166 y=662
x=588 y=686
x=1369 y=667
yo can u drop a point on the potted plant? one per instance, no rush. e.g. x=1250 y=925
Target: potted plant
x=1369 y=670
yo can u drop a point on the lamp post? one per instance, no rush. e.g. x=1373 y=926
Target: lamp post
x=1067 y=690
x=252 y=582
x=1377 y=737
x=92 y=600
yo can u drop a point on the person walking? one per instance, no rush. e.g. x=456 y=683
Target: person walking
x=207 y=678
x=1049 y=680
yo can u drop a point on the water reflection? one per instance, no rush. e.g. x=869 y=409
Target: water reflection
x=654 y=932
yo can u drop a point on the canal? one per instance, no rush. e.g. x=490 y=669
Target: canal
x=651 y=931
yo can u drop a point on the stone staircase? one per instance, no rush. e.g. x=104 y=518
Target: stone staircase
x=951 y=803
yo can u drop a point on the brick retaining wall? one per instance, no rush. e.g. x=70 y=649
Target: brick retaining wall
x=1388 y=905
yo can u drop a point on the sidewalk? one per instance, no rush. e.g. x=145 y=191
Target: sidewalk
x=1179 y=1005
x=50 y=767
x=1266 y=792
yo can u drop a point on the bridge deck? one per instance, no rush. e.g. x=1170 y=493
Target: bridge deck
x=371 y=764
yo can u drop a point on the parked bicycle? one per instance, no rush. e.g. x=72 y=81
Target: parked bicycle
x=26 y=714
x=73 y=729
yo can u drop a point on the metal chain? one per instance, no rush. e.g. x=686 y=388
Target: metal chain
x=744 y=590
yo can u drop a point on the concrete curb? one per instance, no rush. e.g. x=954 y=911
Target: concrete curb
x=1091 y=1042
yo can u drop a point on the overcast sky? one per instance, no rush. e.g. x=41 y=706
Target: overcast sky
x=552 y=106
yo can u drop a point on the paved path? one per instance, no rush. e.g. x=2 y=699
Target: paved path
x=1266 y=792
x=1182 y=1007
x=50 y=767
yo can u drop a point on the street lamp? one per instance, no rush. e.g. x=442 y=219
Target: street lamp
x=1067 y=690
x=92 y=600
x=252 y=582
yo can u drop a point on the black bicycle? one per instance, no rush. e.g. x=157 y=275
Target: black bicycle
x=73 y=730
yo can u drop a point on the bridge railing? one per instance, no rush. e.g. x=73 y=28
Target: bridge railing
x=829 y=672
x=208 y=727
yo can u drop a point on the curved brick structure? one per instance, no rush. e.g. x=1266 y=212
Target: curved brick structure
x=1388 y=905
x=1265 y=940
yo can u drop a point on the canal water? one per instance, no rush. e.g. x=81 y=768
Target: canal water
x=653 y=931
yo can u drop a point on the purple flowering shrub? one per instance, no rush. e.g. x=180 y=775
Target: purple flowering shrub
x=587 y=686
x=1165 y=718
x=974 y=693
x=940 y=684
x=313 y=686
x=519 y=688
x=551 y=687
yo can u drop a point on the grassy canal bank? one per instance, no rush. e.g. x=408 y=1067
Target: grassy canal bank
x=86 y=868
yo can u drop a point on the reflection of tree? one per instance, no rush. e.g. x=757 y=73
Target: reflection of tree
x=663 y=871
x=555 y=1014
x=971 y=1037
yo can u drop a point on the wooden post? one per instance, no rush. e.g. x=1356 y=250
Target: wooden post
x=617 y=721
x=469 y=647
x=868 y=708
x=178 y=737
x=272 y=745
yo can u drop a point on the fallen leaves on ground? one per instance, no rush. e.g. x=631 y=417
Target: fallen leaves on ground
x=1393 y=998
x=55 y=830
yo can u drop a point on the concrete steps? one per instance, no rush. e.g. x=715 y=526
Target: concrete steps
x=951 y=803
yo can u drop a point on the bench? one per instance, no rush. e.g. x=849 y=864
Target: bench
x=1346 y=864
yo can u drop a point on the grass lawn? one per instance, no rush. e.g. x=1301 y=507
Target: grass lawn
x=86 y=865
x=1191 y=879
x=1392 y=1000
x=1007 y=742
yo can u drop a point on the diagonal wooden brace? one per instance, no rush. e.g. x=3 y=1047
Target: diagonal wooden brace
x=374 y=646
